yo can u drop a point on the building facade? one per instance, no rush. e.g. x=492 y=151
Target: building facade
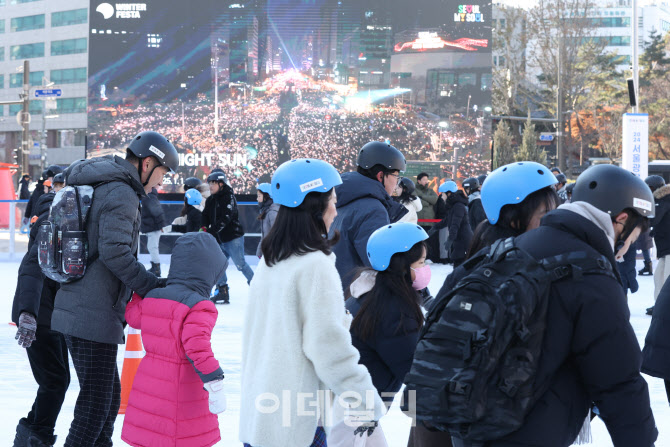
x=53 y=37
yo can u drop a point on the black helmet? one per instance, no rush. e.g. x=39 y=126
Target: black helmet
x=569 y=187
x=44 y=176
x=612 y=189
x=654 y=182
x=556 y=170
x=153 y=144
x=58 y=178
x=561 y=178
x=191 y=183
x=217 y=175
x=378 y=153
x=481 y=179
x=470 y=184
x=407 y=185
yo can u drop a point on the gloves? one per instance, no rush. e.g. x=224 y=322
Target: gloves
x=26 y=331
x=367 y=427
x=217 y=397
x=167 y=229
x=162 y=283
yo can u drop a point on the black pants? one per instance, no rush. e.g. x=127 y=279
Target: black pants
x=420 y=436
x=49 y=363
x=667 y=389
x=99 y=395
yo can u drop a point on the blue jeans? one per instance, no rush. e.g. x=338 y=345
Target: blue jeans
x=235 y=250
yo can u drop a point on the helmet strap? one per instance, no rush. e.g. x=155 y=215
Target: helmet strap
x=139 y=171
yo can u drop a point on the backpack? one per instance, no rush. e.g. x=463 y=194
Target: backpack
x=477 y=357
x=61 y=239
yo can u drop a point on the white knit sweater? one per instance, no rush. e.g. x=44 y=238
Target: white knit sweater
x=295 y=340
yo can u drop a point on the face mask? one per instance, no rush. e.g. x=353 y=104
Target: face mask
x=422 y=278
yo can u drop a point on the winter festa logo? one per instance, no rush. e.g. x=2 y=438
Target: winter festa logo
x=122 y=10
x=468 y=13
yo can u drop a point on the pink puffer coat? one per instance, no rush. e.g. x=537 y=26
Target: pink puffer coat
x=168 y=405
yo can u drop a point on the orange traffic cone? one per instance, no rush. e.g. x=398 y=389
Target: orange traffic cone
x=131 y=361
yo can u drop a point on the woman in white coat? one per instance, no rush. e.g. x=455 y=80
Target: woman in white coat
x=295 y=342
x=406 y=196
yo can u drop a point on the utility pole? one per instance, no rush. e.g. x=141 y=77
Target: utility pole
x=25 y=122
x=559 y=111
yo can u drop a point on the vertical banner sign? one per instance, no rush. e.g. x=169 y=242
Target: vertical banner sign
x=635 y=155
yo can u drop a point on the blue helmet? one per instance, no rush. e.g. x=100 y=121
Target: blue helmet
x=511 y=184
x=193 y=197
x=266 y=188
x=391 y=239
x=449 y=186
x=294 y=179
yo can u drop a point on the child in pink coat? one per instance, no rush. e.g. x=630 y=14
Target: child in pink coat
x=168 y=404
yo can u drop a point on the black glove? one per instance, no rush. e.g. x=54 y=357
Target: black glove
x=26 y=331
x=162 y=282
x=366 y=427
x=447 y=245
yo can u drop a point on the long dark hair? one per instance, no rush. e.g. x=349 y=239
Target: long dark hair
x=300 y=230
x=405 y=197
x=397 y=279
x=264 y=209
x=513 y=220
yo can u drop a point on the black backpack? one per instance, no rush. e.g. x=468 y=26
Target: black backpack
x=475 y=364
x=61 y=240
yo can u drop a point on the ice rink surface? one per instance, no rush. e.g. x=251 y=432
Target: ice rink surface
x=18 y=387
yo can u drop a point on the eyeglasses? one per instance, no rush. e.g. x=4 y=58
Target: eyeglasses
x=397 y=177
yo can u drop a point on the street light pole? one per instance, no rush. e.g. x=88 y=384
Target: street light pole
x=25 y=123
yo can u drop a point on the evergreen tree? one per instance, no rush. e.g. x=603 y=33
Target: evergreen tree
x=529 y=150
x=502 y=146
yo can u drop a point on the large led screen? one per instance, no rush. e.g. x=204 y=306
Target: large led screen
x=248 y=85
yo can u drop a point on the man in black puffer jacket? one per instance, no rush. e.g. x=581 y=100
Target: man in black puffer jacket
x=661 y=235
x=33 y=306
x=458 y=222
x=220 y=219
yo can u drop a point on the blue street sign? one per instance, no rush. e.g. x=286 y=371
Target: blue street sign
x=546 y=137
x=48 y=92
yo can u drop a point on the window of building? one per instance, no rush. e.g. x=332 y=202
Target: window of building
x=487 y=81
x=467 y=79
x=71 y=105
x=69 y=46
x=69 y=76
x=27 y=23
x=2 y=81
x=72 y=17
x=18 y=2
x=2 y=26
x=26 y=51
x=35 y=108
x=16 y=79
x=2 y=54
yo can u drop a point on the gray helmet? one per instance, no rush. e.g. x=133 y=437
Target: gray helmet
x=58 y=178
x=191 y=182
x=481 y=179
x=470 y=184
x=378 y=153
x=407 y=185
x=654 y=182
x=612 y=189
x=152 y=144
x=217 y=175
x=561 y=178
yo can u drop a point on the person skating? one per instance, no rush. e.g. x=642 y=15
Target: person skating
x=179 y=414
x=409 y=200
x=476 y=212
x=267 y=213
x=46 y=349
x=220 y=218
x=295 y=339
x=153 y=221
x=365 y=204
x=24 y=184
x=458 y=223
x=660 y=231
x=89 y=312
